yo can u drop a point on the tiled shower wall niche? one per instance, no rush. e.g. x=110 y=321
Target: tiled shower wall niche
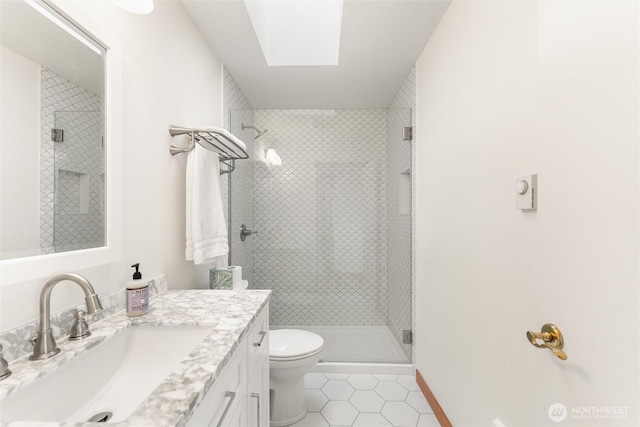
x=322 y=216
x=71 y=171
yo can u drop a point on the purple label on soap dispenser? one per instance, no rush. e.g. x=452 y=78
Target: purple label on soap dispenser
x=137 y=300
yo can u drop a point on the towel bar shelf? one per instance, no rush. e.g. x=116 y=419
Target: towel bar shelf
x=217 y=140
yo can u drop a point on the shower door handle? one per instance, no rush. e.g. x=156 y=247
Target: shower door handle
x=244 y=232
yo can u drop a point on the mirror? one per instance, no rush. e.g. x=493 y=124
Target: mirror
x=52 y=142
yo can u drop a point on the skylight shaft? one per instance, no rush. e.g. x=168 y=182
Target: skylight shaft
x=297 y=32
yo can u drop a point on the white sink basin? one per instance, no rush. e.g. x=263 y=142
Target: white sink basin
x=114 y=377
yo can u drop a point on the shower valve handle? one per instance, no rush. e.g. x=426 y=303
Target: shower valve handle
x=244 y=232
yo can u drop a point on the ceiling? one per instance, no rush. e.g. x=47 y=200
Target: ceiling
x=380 y=42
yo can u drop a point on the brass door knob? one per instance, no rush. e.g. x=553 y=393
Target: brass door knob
x=551 y=338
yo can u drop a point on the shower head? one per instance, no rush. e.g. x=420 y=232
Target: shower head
x=260 y=132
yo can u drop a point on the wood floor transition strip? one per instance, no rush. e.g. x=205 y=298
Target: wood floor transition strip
x=431 y=399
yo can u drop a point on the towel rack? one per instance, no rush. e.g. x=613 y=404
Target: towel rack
x=213 y=140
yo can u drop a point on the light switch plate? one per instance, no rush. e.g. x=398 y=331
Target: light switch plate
x=526 y=190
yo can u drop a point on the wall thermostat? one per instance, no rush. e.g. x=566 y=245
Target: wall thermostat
x=527 y=192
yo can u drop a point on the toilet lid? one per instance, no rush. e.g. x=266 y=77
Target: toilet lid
x=288 y=343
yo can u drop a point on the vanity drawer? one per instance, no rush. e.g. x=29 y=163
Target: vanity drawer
x=258 y=339
x=227 y=397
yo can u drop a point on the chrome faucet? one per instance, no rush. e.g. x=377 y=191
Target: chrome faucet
x=44 y=344
x=4 y=366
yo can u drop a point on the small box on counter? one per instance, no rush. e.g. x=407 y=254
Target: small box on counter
x=220 y=278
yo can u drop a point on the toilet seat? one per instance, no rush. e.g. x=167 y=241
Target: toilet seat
x=293 y=344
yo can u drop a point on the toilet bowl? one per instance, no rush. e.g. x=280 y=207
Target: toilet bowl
x=292 y=354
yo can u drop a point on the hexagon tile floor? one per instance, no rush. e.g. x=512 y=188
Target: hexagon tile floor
x=366 y=401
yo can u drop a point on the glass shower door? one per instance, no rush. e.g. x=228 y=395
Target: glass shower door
x=399 y=201
x=240 y=196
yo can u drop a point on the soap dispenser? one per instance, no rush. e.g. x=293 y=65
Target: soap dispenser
x=137 y=294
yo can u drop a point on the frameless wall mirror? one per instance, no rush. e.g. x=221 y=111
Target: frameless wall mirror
x=55 y=137
x=52 y=137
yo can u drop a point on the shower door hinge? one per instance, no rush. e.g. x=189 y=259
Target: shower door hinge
x=57 y=135
x=407 y=336
x=407 y=133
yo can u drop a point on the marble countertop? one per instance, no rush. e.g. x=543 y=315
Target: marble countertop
x=174 y=400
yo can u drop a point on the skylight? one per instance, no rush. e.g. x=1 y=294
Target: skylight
x=297 y=32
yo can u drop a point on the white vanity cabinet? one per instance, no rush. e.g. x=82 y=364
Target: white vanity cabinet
x=240 y=395
x=258 y=392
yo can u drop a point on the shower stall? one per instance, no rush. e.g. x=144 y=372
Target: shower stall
x=334 y=225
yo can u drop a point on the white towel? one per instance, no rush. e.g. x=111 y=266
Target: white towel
x=206 y=229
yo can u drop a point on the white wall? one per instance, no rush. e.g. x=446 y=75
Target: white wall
x=506 y=89
x=170 y=76
x=20 y=155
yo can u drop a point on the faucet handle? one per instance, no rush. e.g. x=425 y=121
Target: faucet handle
x=80 y=328
x=4 y=366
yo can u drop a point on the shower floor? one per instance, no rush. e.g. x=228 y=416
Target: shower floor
x=362 y=344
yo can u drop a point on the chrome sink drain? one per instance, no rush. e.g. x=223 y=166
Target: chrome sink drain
x=101 y=417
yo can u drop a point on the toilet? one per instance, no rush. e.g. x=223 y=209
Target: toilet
x=292 y=354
